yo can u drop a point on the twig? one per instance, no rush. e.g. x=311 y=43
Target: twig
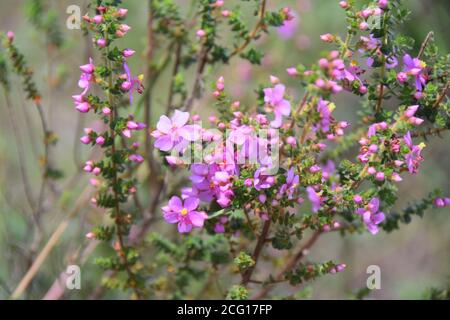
x=254 y=33
x=54 y=238
x=289 y=265
x=425 y=43
x=256 y=253
x=442 y=95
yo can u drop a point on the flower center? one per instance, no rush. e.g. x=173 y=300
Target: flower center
x=184 y=211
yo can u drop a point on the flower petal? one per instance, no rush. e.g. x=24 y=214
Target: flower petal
x=179 y=118
x=164 y=124
x=164 y=143
x=175 y=204
x=191 y=203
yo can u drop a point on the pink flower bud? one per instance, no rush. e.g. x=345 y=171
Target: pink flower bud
x=106 y=111
x=363 y=26
x=122 y=12
x=100 y=140
x=291 y=141
x=87 y=68
x=226 y=13
x=248 y=182
x=212 y=119
x=411 y=111
x=396 y=177
x=10 y=36
x=326 y=228
x=221 y=126
x=94 y=182
x=418 y=95
x=383 y=4
x=323 y=63
x=274 y=80
x=83 y=107
x=98 y=19
x=363 y=89
x=220 y=84
x=87 y=168
x=96 y=171
x=371 y=171
x=366 y=13
x=201 y=33
x=132 y=125
x=126 y=85
x=373 y=148
x=101 y=43
x=128 y=52
x=340 y=267
x=136 y=158
x=85 y=139
x=90 y=235
x=364 y=141
x=292 y=71
x=379 y=176
x=124 y=28
x=357 y=199
x=416 y=121
x=402 y=77
x=343 y=4
x=327 y=37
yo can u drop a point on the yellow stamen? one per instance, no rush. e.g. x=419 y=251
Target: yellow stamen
x=184 y=211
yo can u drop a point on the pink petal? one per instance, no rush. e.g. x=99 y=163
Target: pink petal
x=180 y=118
x=175 y=204
x=171 y=217
x=183 y=227
x=164 y=143
x=197 y=219
x=164 y=124
x=191 y=203
x=284 y=107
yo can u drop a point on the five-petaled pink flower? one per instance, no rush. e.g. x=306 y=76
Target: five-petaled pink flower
x=184 y=213
x=172 y=131
x=281 y=107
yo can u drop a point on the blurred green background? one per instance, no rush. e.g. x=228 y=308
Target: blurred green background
x=411 y=260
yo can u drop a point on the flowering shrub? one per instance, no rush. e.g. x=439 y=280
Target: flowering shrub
x=263 y=175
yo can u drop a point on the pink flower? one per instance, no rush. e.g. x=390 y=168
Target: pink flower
x=184 y=213
x=287 y=30
x=371 y=216
x=171 y=131
x=316 y=200
x=275 y=98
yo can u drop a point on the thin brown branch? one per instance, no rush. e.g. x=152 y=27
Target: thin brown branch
x=428 y=39
x=288 y=266
x=256 y=253
x=254 y=33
